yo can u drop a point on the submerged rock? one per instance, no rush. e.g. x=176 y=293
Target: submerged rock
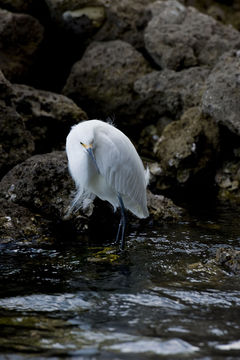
x=186 y=148
x=20 y=37
x=229 y=258
x=179 y=37
x=102 y=81
x=222 y=94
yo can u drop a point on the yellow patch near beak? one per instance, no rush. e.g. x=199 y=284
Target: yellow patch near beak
x=87 y=146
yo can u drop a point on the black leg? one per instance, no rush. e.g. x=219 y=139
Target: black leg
x=122 y=224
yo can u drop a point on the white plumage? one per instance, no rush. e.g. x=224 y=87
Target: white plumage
x=103 y=162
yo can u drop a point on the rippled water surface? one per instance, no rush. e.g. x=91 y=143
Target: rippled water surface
x=162 y=298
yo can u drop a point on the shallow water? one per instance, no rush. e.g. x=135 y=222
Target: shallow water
x=162 y=298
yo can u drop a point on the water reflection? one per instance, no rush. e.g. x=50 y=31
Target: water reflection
x=164 y=297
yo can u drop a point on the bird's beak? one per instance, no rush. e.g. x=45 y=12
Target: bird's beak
x=90 y=152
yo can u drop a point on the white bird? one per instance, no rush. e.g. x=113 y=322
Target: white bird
x=103 y=162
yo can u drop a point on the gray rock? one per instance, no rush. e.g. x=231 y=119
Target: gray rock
x=125 y=20
x=169 y=92
x=179 y=37
x=221 y=100
x=186 y=148
x=47 y=115
x=20 y=37
x=102 y=81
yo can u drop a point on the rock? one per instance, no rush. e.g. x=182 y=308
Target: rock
x=222 y=94
x=47 y=115
x=229 y=258
x=102 y=81
x=16 y=141
x=41 y=184
x=81 y=18
x=187 y=147
x=102 y=20
x=125 y=20
x=20 y=226
x=20 y=37
x=169 y=92
x=17 y=5
x=163 y=209
x=179 y=37
x=228 y=182
x=5 y=87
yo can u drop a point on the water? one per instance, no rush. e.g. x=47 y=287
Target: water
x=163 y=298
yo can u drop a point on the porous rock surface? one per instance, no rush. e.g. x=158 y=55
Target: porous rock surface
x=102 y=81
x=179 y=37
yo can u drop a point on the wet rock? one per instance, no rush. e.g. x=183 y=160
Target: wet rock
x=47 y=115
x=228 y=181
x=221 y=98
x=169 y=92
x=16 y=141
x=186 y=148
x=41 y=184
x=229 y=258
x=179 y=37
x=18 y=225
x=102 y=81
x=20 y=37
x=79 y=17
x=161 y=208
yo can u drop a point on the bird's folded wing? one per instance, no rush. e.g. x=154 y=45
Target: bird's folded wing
x=120 y=165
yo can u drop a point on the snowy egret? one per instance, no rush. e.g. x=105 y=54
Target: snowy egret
x=103 y=162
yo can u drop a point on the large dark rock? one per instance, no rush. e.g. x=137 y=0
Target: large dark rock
x=170 y=93
x=186 y=148
x=102 y=20
x=125 y=20
x=102 y=81
x=179 y=37
x=16 y=141
x=20 y=37
x=221 y=100
x=41 y=184
x=47 y=115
